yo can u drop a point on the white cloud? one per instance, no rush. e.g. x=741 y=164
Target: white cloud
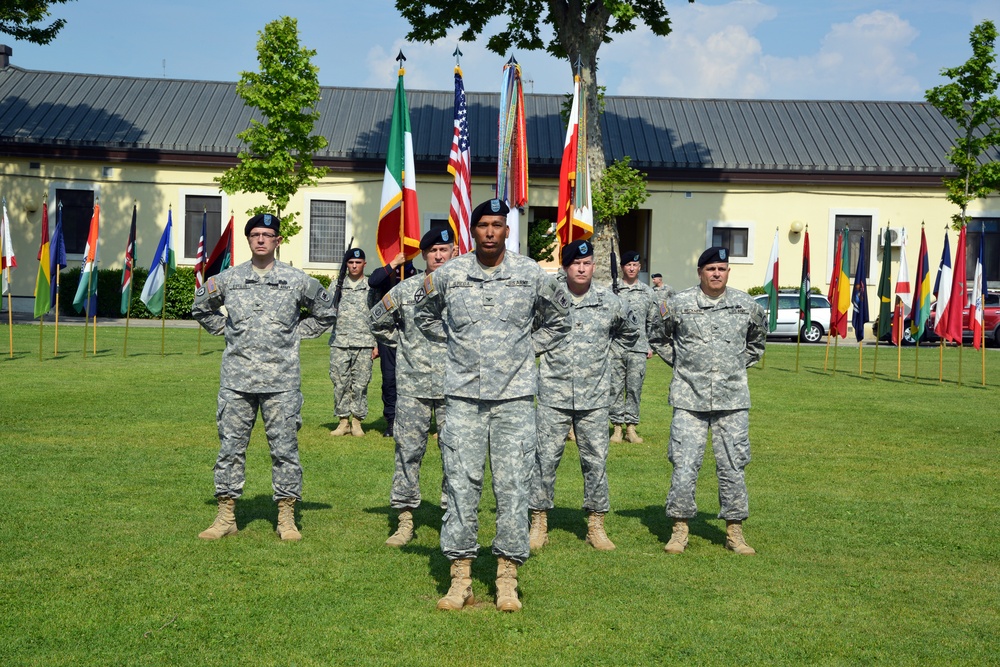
x=713 y=52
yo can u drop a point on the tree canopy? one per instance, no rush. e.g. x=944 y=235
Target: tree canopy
x=971 y=101
x=278 y=159
x=21 y=19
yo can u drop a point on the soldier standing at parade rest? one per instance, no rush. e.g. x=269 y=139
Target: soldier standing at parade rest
x=629 y=363
x=419 y=379
x=574 y=389
x=352 y=348
x=257 y=306
x=710 y=334
x=661 y=291
x=490 y=301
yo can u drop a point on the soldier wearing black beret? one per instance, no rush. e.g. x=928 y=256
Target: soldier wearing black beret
x=629 y=364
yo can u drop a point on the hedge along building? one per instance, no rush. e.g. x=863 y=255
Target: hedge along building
x=728 y=172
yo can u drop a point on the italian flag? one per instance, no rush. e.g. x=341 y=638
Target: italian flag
x=399 y=218
x=771 y=286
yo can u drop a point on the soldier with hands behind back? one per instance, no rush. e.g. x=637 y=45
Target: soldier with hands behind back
x=352 y=348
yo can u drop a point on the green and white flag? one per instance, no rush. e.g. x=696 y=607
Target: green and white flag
x=162 y=267
x=771 y=286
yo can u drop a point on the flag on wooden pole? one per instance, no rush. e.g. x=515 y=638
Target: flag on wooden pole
x=575 y=217
x=7 y=259
x=43 y=282
x=977 y=313
x=86 y=290
x=771 y=286
x=127 y=266
x=512 y=151
x=460 y=166
x=161 y=268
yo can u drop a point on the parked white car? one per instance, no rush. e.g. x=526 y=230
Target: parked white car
x=788 y=316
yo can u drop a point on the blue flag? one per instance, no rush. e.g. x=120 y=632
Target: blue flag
x=57 y=254
x=859 y=298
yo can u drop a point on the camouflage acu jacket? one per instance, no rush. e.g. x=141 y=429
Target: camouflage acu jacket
x=419 y=358
x=488 y=324
x=576 y=374
x=353 y=328
x=263 y=325
x=638 y=298
x=710 y=347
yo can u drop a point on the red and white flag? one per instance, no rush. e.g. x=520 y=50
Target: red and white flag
x=977 y=313
x=460 y=166
x=575 y=217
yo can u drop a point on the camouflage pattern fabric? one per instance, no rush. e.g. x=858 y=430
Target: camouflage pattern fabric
x=731 y=445
x=350 y=372
x=591 y=428
x=664 y=291
x=419 y=358
x=628 y=372
x=413 y=420
x=237 y=413
x=260 y=365
x=489 y=319
x=263 y=326
x=637 y=298
x=710 y=346
x=576 y=374
x=506 y=429
x=353 y=328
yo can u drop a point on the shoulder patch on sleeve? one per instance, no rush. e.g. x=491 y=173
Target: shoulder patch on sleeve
x=663 y=309
x=428 y=288
x=210 y=285
x=200 y=291
x=632 y=317
x=388 y=303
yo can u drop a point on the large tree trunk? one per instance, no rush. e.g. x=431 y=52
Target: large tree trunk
x=581 y=36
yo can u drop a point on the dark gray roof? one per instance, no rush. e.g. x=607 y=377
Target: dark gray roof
x=200 y=119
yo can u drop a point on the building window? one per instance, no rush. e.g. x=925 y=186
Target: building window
x=327 y=230
x=734 y=239
x=196 y=209
x=989 y=229
x=77 y=210
x=857 y=226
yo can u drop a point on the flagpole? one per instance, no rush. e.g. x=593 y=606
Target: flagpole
x=402 y=199
x=163 y=321
x=916 y=360
x=95 y=332
x=983 y=348
x=10 y=321
x=128 y=313
x=55 y=349
x=960 y=346
x=875 y=363
x=86 y=317
x=41 y=324
x=835 y=342
x=899 y=356
x=941 y=362
x=861 y=346
x=798 y=341
x=826 y=359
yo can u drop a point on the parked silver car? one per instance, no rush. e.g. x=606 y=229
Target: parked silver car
x=788 y=316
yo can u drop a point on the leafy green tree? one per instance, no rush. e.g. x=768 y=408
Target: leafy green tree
x=970 y=100
x=541 y=240
x=580 y=28
x=20 y=19
x=621 y=190
x=278 y=158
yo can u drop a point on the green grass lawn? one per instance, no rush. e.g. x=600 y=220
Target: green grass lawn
x=873 y=510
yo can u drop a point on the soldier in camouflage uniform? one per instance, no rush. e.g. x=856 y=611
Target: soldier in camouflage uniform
x=257 y=306
x=419 y=379
x=710 y=335
x=574 y=389
x=490 y=301
x=352 y=349
x=628 y=364
x=661 y=291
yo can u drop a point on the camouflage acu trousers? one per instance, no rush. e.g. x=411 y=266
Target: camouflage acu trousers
x=413 y=421
x=505 y=429
x=628 y=371
x=731 y=445
x=350 y=371
x=236 y=416
x=591 y=428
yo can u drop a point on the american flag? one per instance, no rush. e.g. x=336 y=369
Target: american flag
x=199 y=265
x=460 y=166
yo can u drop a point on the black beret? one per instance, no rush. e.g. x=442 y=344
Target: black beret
x=436 y=236
x=353 y=253
x=263 y=220
x=490 y=207
x=630 y=256
x=713 y=255
x=575 y=250
x=656 y=275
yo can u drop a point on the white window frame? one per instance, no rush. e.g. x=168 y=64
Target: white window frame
x=74 y=185
x=307 y=200
x=748 y=225
x=181 y=236
x=831 y=241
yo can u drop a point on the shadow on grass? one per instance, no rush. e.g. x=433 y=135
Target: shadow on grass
x=263 y=508
x=427 y=516
x=705 y=525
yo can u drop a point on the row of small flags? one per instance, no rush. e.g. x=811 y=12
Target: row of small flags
x=949 y=288
x=52 y=258
x=399 y=221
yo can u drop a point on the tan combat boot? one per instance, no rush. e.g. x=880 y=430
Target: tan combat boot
x=631 y=435
x=344 y=428
x=460 y=593
x=678 y=538
x=735 y=541
x=356 y=429
x=596 y=537
x=225 y=521
x=617 y=435
x=404 y=531
x=286 y=521
x=507 y=585
x=538 y=536
x=571 y=436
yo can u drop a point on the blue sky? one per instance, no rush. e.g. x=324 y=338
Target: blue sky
x=779 y=49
